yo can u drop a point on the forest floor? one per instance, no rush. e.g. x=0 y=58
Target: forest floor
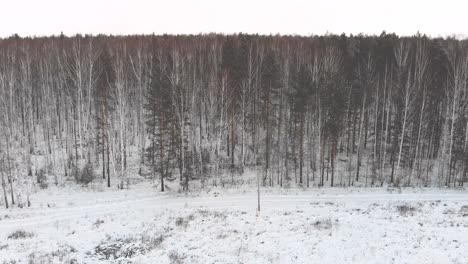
x=143 y=225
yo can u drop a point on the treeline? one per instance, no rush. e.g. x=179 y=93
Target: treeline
x=322 y=110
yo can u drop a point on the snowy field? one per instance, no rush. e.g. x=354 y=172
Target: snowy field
x=142 y=225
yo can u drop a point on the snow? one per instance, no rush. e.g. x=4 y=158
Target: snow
x=142 y=225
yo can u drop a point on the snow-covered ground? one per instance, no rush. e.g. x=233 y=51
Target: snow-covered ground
x=142 y=225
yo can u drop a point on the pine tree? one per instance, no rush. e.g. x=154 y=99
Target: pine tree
x=105 y=80
x=301 y=90
x=269 y=93
x=159 y=119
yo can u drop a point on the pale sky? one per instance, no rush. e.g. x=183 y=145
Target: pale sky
x=404 y=17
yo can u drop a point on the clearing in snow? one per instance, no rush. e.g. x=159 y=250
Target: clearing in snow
x=222 y=226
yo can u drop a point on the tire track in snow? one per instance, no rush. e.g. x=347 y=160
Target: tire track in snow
x=227 y=202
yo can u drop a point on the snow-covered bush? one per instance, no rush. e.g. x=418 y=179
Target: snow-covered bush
x=42 y=178
x=87 y=174
x=20 y=234
x=63 y=254
x=406 y=209
x=184 y=221
x=75 y=173
x=175 y=257
x=84 y=176
x=323 y=224
x=120 y=249
x=464 y=210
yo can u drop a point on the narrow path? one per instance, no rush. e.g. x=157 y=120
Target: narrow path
x=23 y=218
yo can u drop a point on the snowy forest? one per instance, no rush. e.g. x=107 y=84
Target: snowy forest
x=332 y=110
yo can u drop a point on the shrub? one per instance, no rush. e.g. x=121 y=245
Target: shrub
x=20 y=234
x=323 y=224
x=180 y=221
x=98 y=223
x=120 y=249
x=60 y=255
x=87 y=174
x=184 y=221
x=406 y=209
x=175 y=257
x=464 y=210
x=42 y=178
x=84 y=176
x=75 y=173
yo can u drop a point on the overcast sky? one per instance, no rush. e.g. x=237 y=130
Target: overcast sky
x=404 y=17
